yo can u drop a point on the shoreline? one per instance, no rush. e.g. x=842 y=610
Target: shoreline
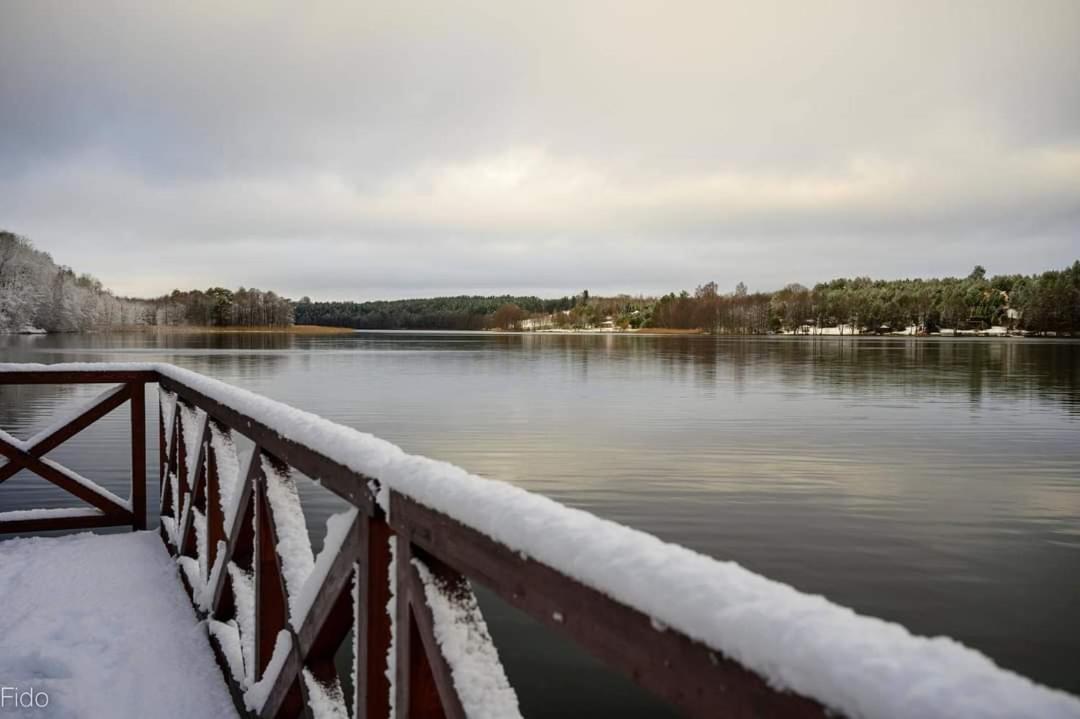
x=232 y=329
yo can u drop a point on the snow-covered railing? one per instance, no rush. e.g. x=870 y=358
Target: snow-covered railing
x=102 y=508
x=396 y=569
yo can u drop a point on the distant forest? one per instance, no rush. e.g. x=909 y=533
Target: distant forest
x=1049 y=302
x=36 y=293
x=437 y=313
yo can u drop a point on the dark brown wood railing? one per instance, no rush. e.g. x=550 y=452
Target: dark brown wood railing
x=104 y=509
x=239 y=580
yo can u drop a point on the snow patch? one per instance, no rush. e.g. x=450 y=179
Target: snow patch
x=327 y=701
x=391 y=610
x=26 y=514
x=256 y=696
x=228 y=467
x=466 y=644
x=227 y=636
x=243 y=586
x=168 y=415
x=293 y=543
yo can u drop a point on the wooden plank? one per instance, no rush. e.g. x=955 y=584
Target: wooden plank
x=372 y=698
x=20 y=376
x=271 y=607
x=424 y=628
x=688 y=674
x=215 y=517
x=162 y=454
x=240 y=545
x=416 y=695
x=100 y=407
x=330 y=616
x=138 y=455
x=188 y=543
x=179 y=463
x=336 y=477
x=288 y=697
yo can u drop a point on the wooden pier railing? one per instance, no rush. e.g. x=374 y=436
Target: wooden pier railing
x=277 y=614
x=106 y=509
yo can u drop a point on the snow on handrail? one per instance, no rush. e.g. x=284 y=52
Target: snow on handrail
x=857 y=665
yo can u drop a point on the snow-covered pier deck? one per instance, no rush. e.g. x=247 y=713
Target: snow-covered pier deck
x=396 y=572
x=98 y=626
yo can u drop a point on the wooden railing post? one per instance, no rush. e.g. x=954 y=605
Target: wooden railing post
x=162 y=452
x=417 y=694
x=215 y=517
x=138 y=455
x=372 y=623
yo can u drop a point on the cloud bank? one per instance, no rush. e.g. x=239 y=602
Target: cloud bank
x=383 y=150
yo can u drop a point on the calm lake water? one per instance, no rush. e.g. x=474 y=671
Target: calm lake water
x=931 y=482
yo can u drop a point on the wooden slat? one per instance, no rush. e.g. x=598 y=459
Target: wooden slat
x=188 y=544
x=330 y=616
x=288 y=696
x=416 y=695
x=241 y=542
x=372 y=698
x=424 y=628
x=271 y=607
x=138 y=455
x=20 y=376
x=179 y=462
x=684 y=672
x=215 y=517
x=162 y=454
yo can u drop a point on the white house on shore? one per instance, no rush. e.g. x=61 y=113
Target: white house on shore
x=812 y=329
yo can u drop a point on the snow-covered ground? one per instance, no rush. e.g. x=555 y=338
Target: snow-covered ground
x=101 y=625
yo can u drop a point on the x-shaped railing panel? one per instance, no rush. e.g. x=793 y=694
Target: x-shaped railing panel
x=105 y=508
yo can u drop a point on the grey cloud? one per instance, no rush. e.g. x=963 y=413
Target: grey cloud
x=379 y=149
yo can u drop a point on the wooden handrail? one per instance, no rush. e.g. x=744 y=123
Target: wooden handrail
x=274 y=658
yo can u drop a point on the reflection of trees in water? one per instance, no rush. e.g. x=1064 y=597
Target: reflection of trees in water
x=871 y=367
x=25 y=405
x=861 y=367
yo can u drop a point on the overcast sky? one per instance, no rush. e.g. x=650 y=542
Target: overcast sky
x=368 y=150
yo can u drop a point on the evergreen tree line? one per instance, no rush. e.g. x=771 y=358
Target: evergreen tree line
x=219 y=307
x=435 y=313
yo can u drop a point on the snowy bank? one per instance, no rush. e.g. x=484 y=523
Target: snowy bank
x=860 y=666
